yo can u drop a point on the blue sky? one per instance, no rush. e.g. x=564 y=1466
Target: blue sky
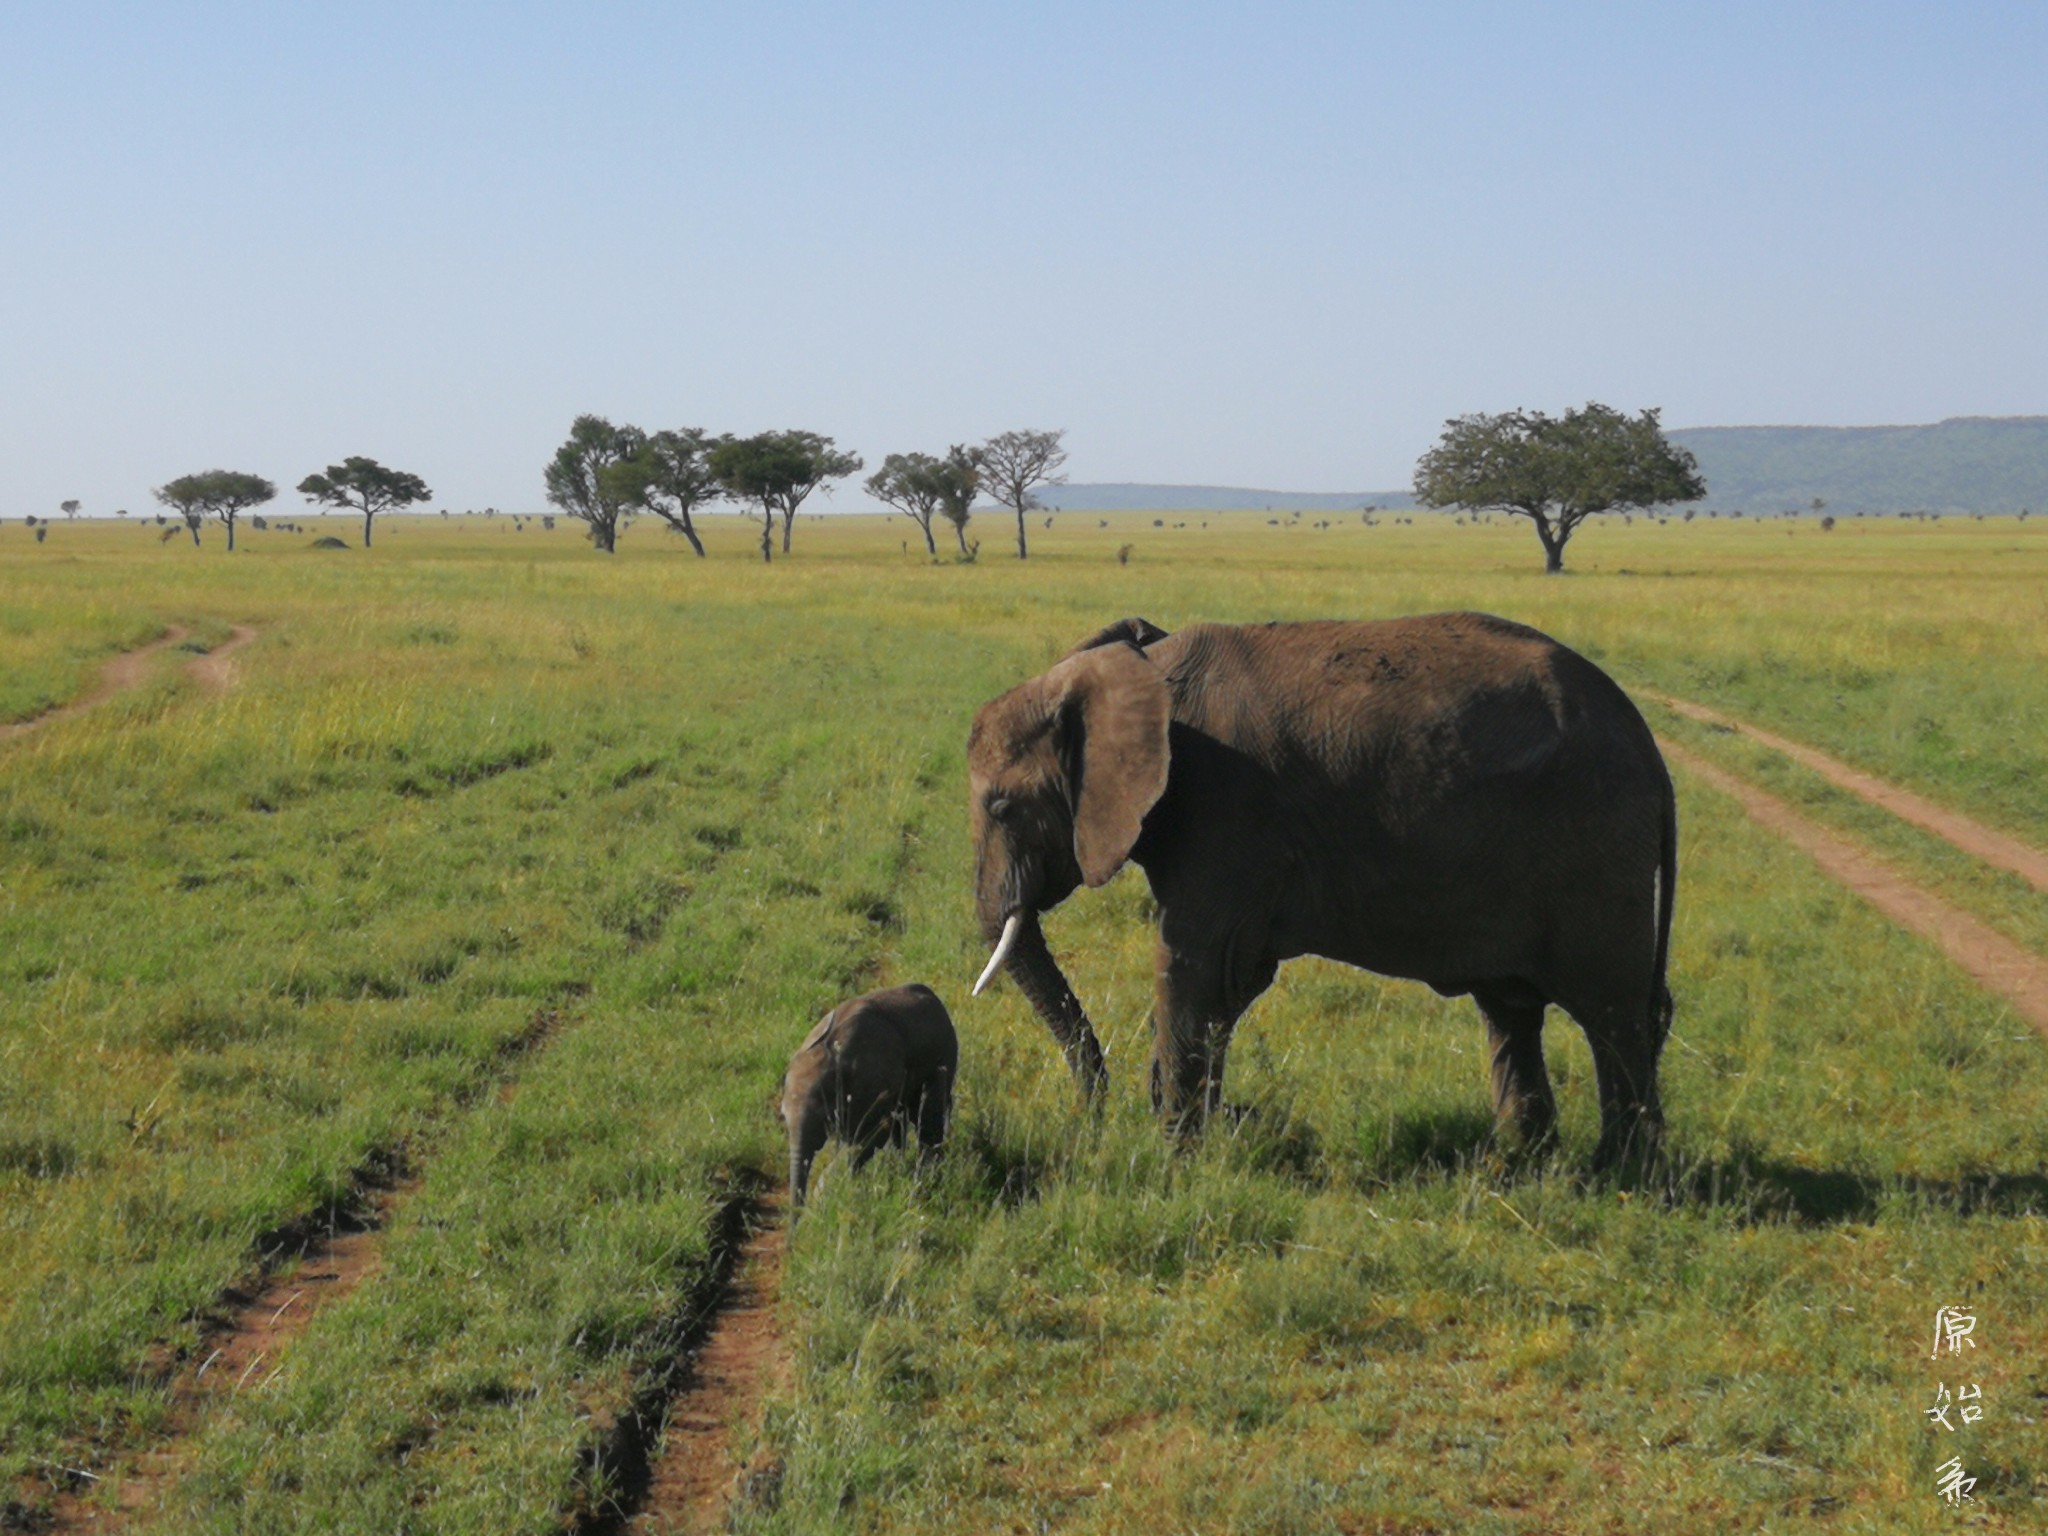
x=1272 y=246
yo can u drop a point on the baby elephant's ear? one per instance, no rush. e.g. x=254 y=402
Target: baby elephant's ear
x=1131 y=631
x=1114 y=713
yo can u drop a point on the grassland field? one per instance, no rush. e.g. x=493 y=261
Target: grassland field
x=264 y=949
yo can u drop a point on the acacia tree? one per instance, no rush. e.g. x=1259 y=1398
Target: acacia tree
x=363 y=485
x=222 y=493
x=668 y=476
x=776 y=471
x=1557 y=471
x=576 y=481
x=69 y=508
x=909 y=482
x=959 y=480
x=1014 y=465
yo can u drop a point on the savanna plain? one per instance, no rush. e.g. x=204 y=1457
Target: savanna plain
x=486 y=903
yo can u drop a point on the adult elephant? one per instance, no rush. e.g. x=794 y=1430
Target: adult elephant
x=1450 y=798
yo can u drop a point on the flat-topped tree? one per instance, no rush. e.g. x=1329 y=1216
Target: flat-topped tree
x=776 y=471
x=220 y=493
x=576 y=479
x=1015 y=464
x=909 y=482
x=1557 y=471
x=363 y=485
x=668 y=476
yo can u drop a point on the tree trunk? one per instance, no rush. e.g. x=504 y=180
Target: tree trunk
x=1553 y=547
x=230 y=521
x=1038 y=975
x=930 y=545
x=960 y=533
x=193 y=529
x=1022 y=552
x=788 y=517
x=767 y=535
x=691 y=534
x=367 y=517
x=607 y=534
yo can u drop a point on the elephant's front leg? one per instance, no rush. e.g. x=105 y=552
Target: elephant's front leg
x=1197 y=1000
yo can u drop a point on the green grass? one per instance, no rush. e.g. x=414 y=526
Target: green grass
x=253 y=945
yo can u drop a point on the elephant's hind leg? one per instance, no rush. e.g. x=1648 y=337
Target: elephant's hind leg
x=1522 y=1099
x=1625 y=1045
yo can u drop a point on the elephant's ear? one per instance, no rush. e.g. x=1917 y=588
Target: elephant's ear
x=1115 y=709
x=1132 y=631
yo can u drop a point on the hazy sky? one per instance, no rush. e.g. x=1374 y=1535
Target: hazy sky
x=1270 y=245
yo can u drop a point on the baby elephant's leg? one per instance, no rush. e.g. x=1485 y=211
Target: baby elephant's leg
x=872 y=1122
x=934 y=1111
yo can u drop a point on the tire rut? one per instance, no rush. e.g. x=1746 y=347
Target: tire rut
x=125 y=671
x=670 y=1460
x=299 y=1271
x=2001 y=966
x=1972 y=837
x=213 y=671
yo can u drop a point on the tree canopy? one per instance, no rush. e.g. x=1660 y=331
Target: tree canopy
x=667 y=475
x=576 y=481
x=1557 y=471
x=909 y=482
x=958 y=476
x=776 y=471
x=1014 y=464
x=363 y=485
x=221 y=493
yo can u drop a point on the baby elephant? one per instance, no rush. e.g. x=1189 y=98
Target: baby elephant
x=871 y=1067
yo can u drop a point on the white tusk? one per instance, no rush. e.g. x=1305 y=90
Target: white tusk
x=995 y=961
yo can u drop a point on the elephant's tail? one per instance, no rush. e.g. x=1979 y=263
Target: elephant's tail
x=1661 y=1006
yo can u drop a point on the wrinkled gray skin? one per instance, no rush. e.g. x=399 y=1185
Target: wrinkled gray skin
x=1450 y=798
x=868 y=1071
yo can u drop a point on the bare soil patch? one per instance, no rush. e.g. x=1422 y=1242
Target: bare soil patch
x=1972 y=837
x=125 y=671
x=2015 y=974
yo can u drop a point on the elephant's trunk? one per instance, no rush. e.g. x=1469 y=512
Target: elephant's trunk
x=1031 y=965
x=799 y=1176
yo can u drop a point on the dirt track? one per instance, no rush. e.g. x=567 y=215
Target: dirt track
x=255 y=1325
x=695 y=1477
x=213 y=671
x=2000 y=965
x=125 y=671
x=1974 y=838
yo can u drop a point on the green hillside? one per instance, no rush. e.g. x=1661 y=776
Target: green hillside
x=1965 y=464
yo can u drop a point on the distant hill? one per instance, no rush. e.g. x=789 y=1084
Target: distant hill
x=1212 y=498
x=1964 y=464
